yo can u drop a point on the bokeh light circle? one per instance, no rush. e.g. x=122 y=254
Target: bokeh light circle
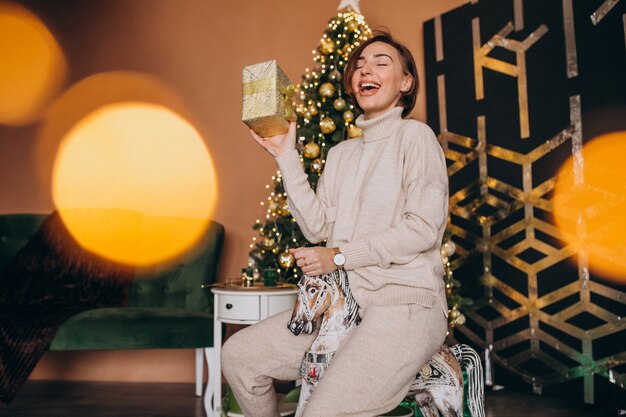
x=32 y=68
x=134 y=183
x=589 y=204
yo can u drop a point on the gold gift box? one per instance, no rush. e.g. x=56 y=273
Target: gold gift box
x=267 y=92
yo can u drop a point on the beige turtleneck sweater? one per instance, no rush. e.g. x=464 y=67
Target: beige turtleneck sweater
x=383 y=200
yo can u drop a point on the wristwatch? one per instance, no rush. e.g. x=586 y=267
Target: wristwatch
x=339 y=259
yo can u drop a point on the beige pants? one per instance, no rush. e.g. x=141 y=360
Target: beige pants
x=369 y=375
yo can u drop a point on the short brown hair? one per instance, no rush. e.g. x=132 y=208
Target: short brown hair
x=409 y=68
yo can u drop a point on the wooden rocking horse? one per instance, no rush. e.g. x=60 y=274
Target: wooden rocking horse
x=438 y=387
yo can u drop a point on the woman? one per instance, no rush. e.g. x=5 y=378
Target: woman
x=381 y=206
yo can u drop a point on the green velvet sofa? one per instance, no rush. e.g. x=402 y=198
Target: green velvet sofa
x=166 y=311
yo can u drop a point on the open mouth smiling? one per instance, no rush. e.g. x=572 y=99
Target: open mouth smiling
x=366 y=87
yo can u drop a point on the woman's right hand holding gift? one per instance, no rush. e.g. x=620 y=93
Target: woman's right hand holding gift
x=278 y=145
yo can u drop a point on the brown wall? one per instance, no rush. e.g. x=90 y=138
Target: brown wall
x=196 y=47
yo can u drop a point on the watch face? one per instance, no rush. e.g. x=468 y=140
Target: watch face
x=339 y=259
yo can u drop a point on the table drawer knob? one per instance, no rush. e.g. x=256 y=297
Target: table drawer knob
x=229 y=306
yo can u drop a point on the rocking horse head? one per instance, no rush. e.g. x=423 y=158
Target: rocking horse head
x=321 y=296
x=314 y=298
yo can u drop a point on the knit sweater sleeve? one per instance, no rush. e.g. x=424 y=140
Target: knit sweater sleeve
x=424 y=212
x=306 y=205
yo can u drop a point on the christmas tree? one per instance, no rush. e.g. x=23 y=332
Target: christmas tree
x=324 y=118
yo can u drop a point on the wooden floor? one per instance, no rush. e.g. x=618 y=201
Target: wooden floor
x=94 y=399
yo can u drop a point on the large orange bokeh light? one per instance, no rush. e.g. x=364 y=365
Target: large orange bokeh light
x=32 y=68
x=590 y=204
x=134 y=183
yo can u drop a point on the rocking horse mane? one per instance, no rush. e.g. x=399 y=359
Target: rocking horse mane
x=341 y=278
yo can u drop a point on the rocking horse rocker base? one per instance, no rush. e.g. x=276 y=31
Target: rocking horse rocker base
x=438 y=387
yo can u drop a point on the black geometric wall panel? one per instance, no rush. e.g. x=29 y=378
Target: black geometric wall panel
x=514 y=88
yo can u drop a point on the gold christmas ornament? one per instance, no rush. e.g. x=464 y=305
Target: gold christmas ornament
x=354 y=131
x=286 y=260
x=456 y=318
x=283 y=209
x=352 y=26
x=313 y=110
x=348 y=116
x=448 y=248
x=308 y=115
x=273 y=205
x=339 y=104
x=327 y=90
x=300 y=109
x=268 y=242
x=311 y=150
x=317 y=165
x=327 y=125
x=327 y=46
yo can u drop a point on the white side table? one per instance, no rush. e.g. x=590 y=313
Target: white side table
x=240 y=305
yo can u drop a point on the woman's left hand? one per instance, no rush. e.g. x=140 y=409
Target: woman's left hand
x=316 y=260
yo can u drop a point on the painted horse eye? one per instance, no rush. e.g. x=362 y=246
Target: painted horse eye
x=312 y=291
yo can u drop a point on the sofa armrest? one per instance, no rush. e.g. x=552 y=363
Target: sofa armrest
x=181 y=287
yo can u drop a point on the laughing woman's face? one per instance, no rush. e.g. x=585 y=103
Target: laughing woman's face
x=379 y=79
